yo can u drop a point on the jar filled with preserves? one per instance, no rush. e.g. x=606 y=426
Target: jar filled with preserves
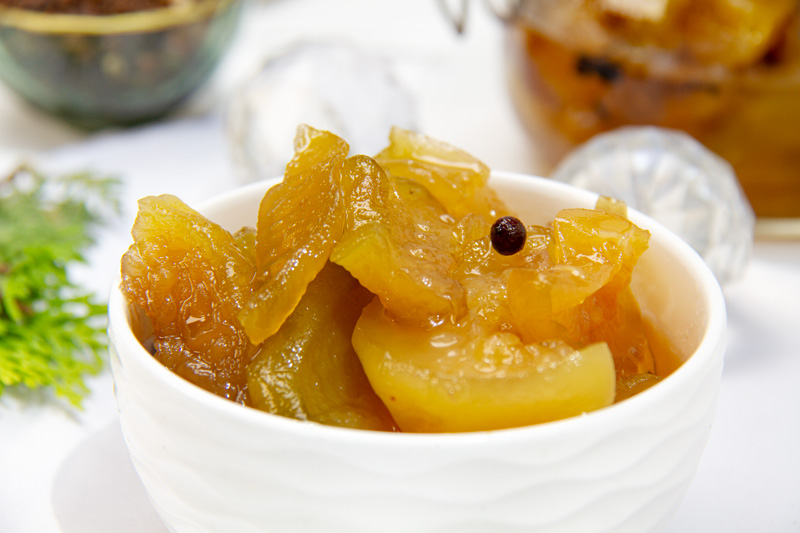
x=725 y=71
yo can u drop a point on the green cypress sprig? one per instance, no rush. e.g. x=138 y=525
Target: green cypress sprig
x=52 y=332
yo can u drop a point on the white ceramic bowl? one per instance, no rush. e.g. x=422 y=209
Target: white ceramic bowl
x=212 y=465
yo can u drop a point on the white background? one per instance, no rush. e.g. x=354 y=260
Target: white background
x=62 y=470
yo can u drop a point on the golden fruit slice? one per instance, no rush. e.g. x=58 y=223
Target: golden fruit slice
x=414 y=195
x=299 y=220
x=594 y=240
x=589 y=250
x=628 y=386
x=611 y=205
x=454 y=177
x=308 y=369
x=245 y=240
x=454 y=378
x=584 y=297
x=402 y=252
x=615 y=318
x=733 y=32
x=545 y=303
x=191 y=277
x=482 y=271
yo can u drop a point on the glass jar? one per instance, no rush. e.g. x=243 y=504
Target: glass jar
x=727 y=73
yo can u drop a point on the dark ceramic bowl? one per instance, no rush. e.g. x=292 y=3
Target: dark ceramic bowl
x=96 y=71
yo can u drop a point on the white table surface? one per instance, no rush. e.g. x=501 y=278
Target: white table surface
x=66 y=470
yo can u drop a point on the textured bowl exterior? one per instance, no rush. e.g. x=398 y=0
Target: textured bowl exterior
x=211 y=465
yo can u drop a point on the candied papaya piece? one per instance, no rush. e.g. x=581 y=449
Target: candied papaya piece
x=477 y=257
x=415 y=196
x=543 y=302
x=733 y=32
x=615 y=318
x=584 y=297
x=607 y=204
x=609 y=315
x=455 y=378
x=482 y=271
x=308 y=370
x=190 y=277
x=400 y=251
x=632 y=385
x=454 y=177
x=594 y=240
x=299 y=220
x=245 y=240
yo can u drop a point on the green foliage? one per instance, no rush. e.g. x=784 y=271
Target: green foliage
x=52 y=332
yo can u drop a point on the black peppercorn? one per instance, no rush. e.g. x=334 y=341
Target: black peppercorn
x=508 y=235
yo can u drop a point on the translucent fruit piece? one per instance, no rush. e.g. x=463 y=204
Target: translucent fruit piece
x=593 y=240
x=245 y=240
x=452 y=378
x=191 y=277
x=311 y=372
x=414 y=195
x=402 y=252
x=299 y=220
x=476 y=256
x=733 y=32
x=584 y=297
x=542 y=302
x=481 y=270
x=611 y=205
x=589 y=250
x=454 y=177
x=613 y=316
x=632 y=385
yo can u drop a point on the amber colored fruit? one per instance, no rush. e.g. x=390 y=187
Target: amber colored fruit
x=594 y=239
x=584 y=297
x=721 y=32
x=731 y=32
x=454 y=177
x=308 y=370
x=299 y=220
x=401 y=251
x=483 y=272
x=414 y=195
x=245 y=240
x=615 y=318
x=190 y=277
x=632 y=385
x=611 y=205
x=454 y=378
x=374 y=299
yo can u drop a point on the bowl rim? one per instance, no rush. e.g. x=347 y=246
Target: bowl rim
x=710 y=347
x=151 y=20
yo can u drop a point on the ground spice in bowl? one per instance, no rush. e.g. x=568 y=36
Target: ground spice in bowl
x=87 y=7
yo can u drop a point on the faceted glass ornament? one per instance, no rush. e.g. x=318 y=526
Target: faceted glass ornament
x=331 y=87
x=674 y=179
